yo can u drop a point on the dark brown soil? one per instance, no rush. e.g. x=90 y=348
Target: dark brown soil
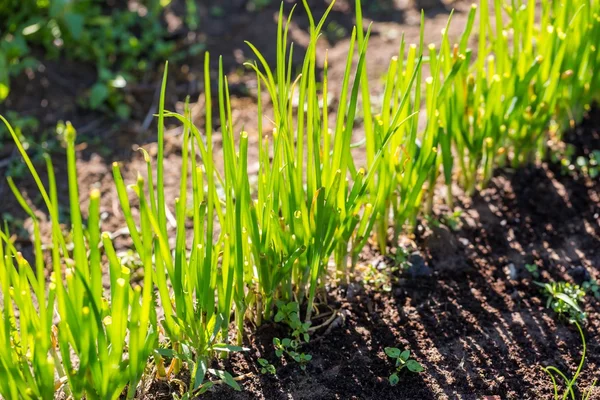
x=477 y=331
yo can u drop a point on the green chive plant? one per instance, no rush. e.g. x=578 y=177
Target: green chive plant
x=69 y=334
x=534 y=68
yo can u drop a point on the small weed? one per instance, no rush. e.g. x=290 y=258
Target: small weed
x=588 y=166
x=289 y=314
x=533 y=270
x=402 y=361
x=266 y=367
x=592 y=287
x=451 y=220
x=564 y=299
x=380 y=280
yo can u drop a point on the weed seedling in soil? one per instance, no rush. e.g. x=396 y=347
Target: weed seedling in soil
x=592 y=288
x=266 y=367
x=564 y=299
x=533 y=270
x=402 y=361
x=451 y=220
x=379 y=279
x=588 y=166
x=289 y=314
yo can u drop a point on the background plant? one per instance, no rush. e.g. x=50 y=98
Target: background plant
x=121 y=43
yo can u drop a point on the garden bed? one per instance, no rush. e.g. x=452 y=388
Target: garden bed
x=477 y=330
x=463 y=300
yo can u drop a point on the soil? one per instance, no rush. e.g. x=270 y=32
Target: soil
x=475 y=320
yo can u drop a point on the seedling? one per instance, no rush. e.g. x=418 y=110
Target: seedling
x=380 y=280
x=452 y=220
x=533 y=270
x=587 y=165
x=290 y=347
x=564 y=299
x=266 y=367
x=592 y=287
x=289 y=314
x=402 y=361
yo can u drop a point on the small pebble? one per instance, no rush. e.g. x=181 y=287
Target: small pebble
x=418 y=267
x=512 y=272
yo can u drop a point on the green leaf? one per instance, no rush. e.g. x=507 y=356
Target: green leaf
x=405 y=355
x=205 y=387
x=227 y=378
x=392 y=352
x=569 y=301
x=394 y=379
x=414 y=366
x=4 y=83
x=166 y=353
x=75 y=23
x=98 y=95
x=279 y=316
x=200 y=374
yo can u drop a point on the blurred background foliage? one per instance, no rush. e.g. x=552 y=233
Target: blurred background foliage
x=122 y=40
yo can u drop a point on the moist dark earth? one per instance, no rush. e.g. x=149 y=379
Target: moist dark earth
x=474 y=319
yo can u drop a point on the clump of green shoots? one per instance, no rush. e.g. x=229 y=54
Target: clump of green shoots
x=96 y=343
x=526 y=78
